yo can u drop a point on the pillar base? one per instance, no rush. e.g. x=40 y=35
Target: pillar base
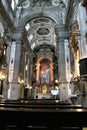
x=13 y=91
x=65 y=91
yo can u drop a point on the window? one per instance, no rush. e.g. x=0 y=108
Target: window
x=14 y=3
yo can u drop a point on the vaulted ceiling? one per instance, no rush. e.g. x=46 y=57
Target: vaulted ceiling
x=41 y=33
x=40 y=18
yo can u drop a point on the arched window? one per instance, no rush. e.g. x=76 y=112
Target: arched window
x=14 y=3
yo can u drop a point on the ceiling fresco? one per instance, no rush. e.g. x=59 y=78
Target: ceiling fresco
x=42 y=32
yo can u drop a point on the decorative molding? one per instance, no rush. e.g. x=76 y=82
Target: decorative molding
x=55 y=2
x=74 y=38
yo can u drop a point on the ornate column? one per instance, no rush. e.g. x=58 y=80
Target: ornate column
x=14 y=63
x=31 y=70
x=25 y=68
x=82 y=16
x=75 y=49
x=63 y=64
x=28 y=63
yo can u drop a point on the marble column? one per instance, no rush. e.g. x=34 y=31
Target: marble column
x=82 y=16
x=63 y=64
x=25 y=68
x=28 y=72
x=14 y=64
x=31 y=71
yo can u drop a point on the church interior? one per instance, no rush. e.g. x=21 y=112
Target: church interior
x=43 y=51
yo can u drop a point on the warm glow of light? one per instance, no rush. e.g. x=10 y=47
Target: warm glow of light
x=71 y=75
x=2 y=75
x=56 y=87
x=56 y=81
x=30 y=87
x=79 y=110
x=26 y=68
x=4 y=52
x=84 y=128
x=21 y=81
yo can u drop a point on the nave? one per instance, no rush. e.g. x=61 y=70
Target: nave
x=43 y=64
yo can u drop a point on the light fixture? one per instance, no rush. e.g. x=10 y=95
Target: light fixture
x=56 y=81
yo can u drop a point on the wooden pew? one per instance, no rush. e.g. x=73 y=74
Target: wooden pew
x=14 y=116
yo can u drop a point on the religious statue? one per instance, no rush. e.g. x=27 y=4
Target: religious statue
x=44 y=88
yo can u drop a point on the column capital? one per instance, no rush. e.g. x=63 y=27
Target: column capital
x=19 y=34
x=60 y=28
x=62 y=33
x=62 y=37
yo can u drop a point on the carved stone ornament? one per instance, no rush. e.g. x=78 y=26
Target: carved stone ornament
x=55 y=2
x=26 y=4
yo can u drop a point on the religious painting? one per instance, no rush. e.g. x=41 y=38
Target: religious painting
x=45 y=72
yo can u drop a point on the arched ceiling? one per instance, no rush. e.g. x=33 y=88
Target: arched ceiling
x=55 y=9
x=41 y=32
x=39 y=17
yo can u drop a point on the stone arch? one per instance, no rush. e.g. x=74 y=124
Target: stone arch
x=27 y=17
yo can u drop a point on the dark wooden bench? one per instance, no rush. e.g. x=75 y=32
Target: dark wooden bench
x=38 y=104
x=17 y=116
